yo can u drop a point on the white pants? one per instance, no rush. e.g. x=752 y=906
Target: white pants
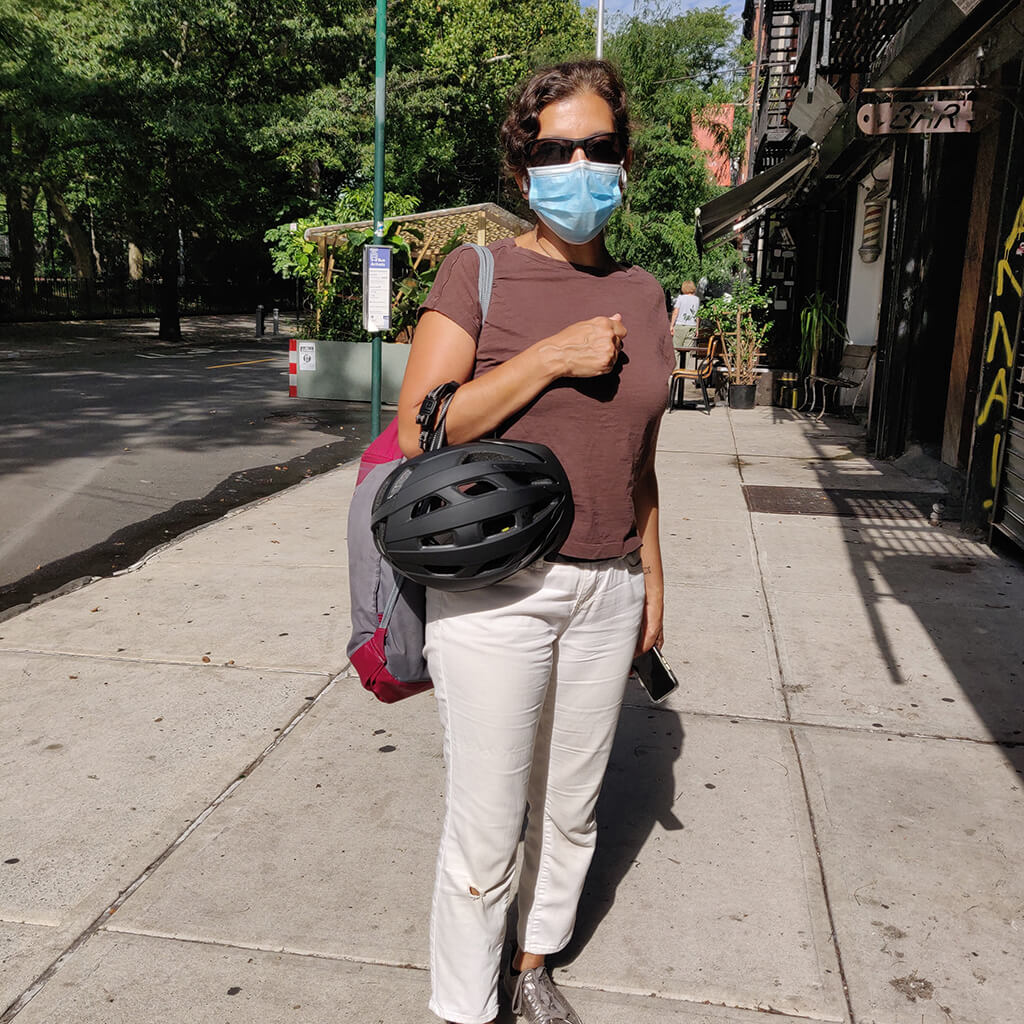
x=529 y=676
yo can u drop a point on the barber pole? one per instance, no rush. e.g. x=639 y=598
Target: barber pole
x=874 y=209
x=293 y=368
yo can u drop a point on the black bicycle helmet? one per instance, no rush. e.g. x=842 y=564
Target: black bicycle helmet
x=472 y=514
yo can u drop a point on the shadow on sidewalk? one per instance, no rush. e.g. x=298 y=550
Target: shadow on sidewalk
x=639 y=792
x=967 y=598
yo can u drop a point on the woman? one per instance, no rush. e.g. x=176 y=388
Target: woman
x=684 y=316
x=529 y=673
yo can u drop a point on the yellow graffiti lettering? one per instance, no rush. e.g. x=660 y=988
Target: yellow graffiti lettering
x=995 y=459
x=997 y=393
x=999 y=330
x=1016 y=231
x=1003 y=269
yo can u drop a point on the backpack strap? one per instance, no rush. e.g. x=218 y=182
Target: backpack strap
x=485 y=278
x=392 y=601
x=434 y=406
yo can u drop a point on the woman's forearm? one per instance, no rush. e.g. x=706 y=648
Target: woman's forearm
x=483 y=404
x=645 y=505
x=443 y=351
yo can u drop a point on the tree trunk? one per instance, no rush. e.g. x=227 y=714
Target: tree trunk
x=73 y=233
x=136 y=264
x=21 y=201
x=170 y=320
x=313 y=178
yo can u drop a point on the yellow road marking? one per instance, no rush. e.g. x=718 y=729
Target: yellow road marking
x=248 y=362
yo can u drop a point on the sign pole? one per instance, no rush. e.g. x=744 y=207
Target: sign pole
x=599 y=49
x=378 y=198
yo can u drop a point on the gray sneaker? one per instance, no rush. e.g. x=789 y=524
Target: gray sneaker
x=535 y=998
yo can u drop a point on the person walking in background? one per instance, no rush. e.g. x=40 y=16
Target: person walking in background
x=684 y=316
x=529 y=673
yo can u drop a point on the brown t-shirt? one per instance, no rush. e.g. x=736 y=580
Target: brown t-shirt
x=599 y=427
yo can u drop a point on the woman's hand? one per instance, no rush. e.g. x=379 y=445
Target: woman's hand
x=652 y=631
x=588 y=348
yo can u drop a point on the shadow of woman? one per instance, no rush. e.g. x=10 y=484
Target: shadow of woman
x=638 y=792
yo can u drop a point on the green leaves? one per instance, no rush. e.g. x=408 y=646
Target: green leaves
x=739 y=319
x=822 y=330
x=191 y=127
x=677 y=68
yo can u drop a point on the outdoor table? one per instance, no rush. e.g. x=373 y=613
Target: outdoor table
x=683 y=350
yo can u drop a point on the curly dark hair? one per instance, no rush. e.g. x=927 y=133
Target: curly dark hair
x=557 y=83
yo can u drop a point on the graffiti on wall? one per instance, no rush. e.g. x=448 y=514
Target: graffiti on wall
x=998 y=370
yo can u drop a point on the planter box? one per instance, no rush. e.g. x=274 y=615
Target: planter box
x=341 y=370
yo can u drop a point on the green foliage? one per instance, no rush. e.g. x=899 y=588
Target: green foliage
x=452 y=64
x=677 y=68
x=822 y=331
x=337 y=304
x=190 y=127
x=740 y=320
x=337 y=307
x=290 y=253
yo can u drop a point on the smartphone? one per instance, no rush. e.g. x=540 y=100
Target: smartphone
x=654 y=673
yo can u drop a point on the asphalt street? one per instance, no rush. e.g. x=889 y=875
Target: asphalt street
x=107 y=455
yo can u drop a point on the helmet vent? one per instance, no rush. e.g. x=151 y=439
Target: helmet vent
x=497 y=524
x=497 y=564
x=400 y=479
x=426 y=505
x=445 y=570
x=475 y=488
x=436 y=540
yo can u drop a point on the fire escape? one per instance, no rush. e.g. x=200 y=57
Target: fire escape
x=777 y=83
x=800 y=42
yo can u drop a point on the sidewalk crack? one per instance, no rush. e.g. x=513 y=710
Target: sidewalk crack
x=83 y=937
x=780 y=675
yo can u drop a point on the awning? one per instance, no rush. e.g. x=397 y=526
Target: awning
x=735 y=210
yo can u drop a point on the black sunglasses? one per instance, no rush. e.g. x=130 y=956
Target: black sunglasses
x=602 y=148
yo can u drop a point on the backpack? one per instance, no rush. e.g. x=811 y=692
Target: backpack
x=388 y=610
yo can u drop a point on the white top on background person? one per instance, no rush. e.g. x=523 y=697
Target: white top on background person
x=684 y=309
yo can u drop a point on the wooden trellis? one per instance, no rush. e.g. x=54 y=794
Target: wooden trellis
x=483 y=223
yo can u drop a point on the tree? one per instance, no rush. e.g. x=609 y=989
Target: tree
x=453 y=64
x=178 y=128
x=676 y=68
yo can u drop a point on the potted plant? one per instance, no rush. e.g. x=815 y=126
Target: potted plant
x=738 y=322
x=822 y=329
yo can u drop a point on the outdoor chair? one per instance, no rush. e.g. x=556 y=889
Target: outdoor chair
x=853 y=372
x=708 y=363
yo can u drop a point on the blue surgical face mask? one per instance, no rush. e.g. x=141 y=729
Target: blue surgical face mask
x=576 y=199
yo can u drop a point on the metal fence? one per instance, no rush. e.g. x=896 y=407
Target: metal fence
x=58 y=298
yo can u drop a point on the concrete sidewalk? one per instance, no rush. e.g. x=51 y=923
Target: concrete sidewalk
x=206 y=819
